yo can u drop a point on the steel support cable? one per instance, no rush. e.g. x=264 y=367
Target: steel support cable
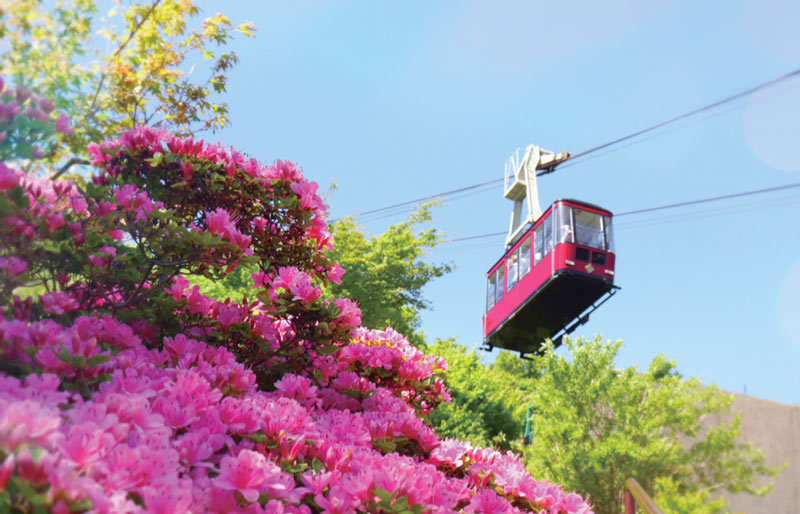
x=708 y=107
x=572 y=160
x=665 y=207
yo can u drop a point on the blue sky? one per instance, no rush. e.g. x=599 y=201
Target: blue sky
x=394 y=101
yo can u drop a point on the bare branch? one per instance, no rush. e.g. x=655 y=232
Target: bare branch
x=70 y=163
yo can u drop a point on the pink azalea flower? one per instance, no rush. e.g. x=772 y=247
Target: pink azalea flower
x=336 y=273
x=126 y=194
x=63 y=126
x=79 y=204
x=27 y=422
x=58 y=302
x=197 y=303
x=13 y=265
x=488 y=502
x=85 y=444
x=248 y=472
x=187 y=169
x=219 y=223
x=8 y=177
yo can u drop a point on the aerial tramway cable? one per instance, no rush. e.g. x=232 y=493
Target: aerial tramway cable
x=667 y=206
x=579 y=157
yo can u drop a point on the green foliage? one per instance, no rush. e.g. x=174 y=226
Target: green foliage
x=386 y=273
x=488 y=405
x=145 y=77
x=235 y=285
x=675 y=498
x=596 y=425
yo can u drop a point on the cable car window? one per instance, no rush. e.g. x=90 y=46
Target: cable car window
x=513 y=269
x=564 y=232
x=501 y=285
x=524 y=258
x=589 y=229
x=491 y=285
x=609 y=234
x=538 y=245
x=548 y=235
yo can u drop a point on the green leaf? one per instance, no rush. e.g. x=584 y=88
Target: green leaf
x=384 y=445
x=97 y=360
x=383 y=494
x=258 y=437
x=81 y=505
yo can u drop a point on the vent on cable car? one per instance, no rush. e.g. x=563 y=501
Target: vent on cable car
x=582 y=254
x=599 y=258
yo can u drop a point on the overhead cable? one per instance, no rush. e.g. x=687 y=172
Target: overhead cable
x=665 y=207
x=573 y=161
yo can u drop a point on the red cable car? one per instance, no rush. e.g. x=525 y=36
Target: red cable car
x=558 y=266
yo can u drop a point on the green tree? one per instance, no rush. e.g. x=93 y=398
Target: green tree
x=386 y=273
x=145 y=77
x=596 y=425
x=481 y=412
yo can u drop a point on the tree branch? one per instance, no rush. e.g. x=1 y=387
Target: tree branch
x=131 y=34
x=70 y=163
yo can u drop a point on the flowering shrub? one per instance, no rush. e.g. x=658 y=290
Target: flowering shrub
x=125 y=389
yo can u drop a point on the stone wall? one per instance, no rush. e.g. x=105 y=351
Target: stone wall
x=774 y=428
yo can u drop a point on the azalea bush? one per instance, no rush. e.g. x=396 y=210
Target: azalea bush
x=125 y=389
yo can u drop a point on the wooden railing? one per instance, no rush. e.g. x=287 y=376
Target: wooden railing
x=635 y=495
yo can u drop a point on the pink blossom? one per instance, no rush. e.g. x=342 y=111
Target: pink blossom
x=168 y=499
x=451 y=452
x=227 y=315
x=299 y=388
x=79 y=204
x=14 y=265
x=56 y=221
x=8 y=178
x=63 y=126
x=85 y=444
x=488 y=502
x=220 y=223
x=248 y=473
x=47 y=105
x=27 y=422
x=126 y=194
x=298 y=283
x=187 y=169
x=198 y=303
x=307 y=191
x=7 y=469
x=179 y=285
x=22 y=94
x=349 y=313
x=58 y=302
x=105 y=255
x=336 y=273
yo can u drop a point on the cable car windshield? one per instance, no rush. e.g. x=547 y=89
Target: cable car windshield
x=592 y=229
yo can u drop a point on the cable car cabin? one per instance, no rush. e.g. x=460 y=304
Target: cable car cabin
x=551 y=278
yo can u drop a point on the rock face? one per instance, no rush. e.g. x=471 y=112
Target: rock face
x=775 y=428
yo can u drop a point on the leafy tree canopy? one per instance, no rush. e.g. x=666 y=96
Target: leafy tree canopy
x=596 y=425
x=387 y=273
x=482 y=411
x=149 y=65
